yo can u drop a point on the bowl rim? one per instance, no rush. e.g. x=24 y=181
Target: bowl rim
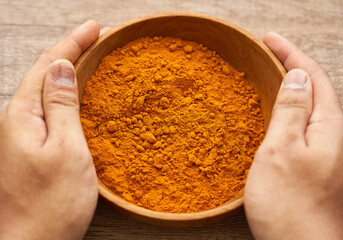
x=164 y=216
x=130 y=207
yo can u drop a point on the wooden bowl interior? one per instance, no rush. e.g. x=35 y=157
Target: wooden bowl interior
x=242 y=50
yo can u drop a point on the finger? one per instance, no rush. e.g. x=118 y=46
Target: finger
x=292 y=109
x=25 y=109
x=104 y=30
x=69 y=48
x=61 y=102
x=327 y=116
x=325 y=99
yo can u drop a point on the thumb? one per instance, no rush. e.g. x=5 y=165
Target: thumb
x=61 y=101
x=292 y=109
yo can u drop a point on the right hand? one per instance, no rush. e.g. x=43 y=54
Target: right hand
x=295 y=185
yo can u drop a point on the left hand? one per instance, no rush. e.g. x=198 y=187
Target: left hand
x=48 y=184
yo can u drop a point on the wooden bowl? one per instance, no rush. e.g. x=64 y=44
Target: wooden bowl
x=235 y=45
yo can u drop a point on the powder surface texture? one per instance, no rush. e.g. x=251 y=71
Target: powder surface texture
x=171 y=126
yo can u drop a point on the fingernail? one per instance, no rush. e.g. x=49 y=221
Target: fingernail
x=296 y=79
x=63 y=74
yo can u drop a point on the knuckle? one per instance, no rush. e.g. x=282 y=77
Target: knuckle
x=44 y=165
x=294 y=108
x=279 y=158
x=266 y=150
x=68 y=152
x=326 y=73
x=269 y=155
x=75 y=44
x=322 y=72
x=290 y=138
x=293 y=55
x=282 y=147
x=27 y=153
x=71 y=145
x=270 y=149
x=44 y=58
x=291 y=101
x=62 y=98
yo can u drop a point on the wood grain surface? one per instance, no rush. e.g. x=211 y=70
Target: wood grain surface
x=28 y=28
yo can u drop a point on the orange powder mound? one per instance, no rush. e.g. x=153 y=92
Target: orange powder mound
x=171 y=126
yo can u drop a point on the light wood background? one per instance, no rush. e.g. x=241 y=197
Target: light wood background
x=27 y=28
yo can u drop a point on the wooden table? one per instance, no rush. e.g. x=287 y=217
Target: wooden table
x=27 y=28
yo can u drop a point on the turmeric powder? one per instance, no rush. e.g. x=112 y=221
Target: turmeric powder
x=171 y=126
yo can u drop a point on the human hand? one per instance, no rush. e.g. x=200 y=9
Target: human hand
x=48 y=184
x=295 y=185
